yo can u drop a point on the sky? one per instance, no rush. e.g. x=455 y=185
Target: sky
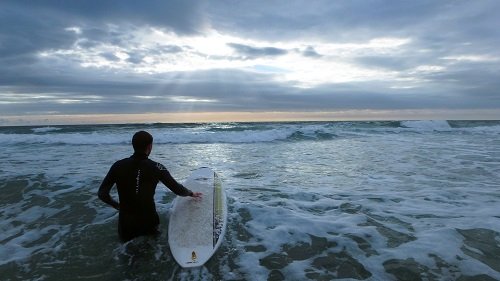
x=154 y=60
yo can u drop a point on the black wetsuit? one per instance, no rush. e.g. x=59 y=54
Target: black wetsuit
x=136 y=178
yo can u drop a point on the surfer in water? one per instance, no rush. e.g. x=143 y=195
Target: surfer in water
x=136 y=178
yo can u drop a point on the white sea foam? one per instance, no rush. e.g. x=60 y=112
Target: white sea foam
x=484 y=130
x=27 y=242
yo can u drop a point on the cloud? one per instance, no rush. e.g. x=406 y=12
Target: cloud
x=29 y=27
x=310 y=52
x=180 y=56
x=253 y=52
x=22 y=33
x=110 y=56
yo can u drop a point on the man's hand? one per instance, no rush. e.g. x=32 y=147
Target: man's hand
x=197 y=194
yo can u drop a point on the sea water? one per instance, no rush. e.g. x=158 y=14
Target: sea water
x=401 y=200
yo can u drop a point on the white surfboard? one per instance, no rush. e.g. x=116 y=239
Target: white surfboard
x=197 y=226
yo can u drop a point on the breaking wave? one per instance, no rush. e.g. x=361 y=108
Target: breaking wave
x=233 y=132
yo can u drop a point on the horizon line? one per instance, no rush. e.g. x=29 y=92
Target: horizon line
x=248 y=116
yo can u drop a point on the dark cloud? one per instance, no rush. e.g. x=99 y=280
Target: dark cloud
x=358 y=20
x=172 y=49
x=182 y=16
x=30 y=26
x=253 y=52
x=385 y=62
x=23 y=33
x=135 y=58
x=310 y=52
x=110 y=56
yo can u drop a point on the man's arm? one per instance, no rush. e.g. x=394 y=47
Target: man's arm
x=105 y=188
x=172 y=184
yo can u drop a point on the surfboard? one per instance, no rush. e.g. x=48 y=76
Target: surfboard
x=197 y=225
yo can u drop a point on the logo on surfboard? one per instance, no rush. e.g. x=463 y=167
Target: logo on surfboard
x=193 y=257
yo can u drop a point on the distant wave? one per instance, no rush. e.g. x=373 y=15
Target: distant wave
x=45 y=129
x=177 y=135
x=427 y=125
x=236 y=132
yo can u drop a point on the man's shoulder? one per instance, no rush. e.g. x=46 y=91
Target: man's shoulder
x=125 y=162
x=122 y=161
x=147 y=162
x=159 y=166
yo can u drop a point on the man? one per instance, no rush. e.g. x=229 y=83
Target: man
x=136 y=178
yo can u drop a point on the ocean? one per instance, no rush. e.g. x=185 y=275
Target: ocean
x=392 y=200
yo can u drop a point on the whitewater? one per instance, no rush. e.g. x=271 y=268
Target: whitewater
x=388 y=200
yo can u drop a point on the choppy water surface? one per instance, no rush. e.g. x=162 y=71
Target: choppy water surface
x=413 y=200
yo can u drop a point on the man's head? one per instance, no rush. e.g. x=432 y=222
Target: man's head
x=142 y=141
